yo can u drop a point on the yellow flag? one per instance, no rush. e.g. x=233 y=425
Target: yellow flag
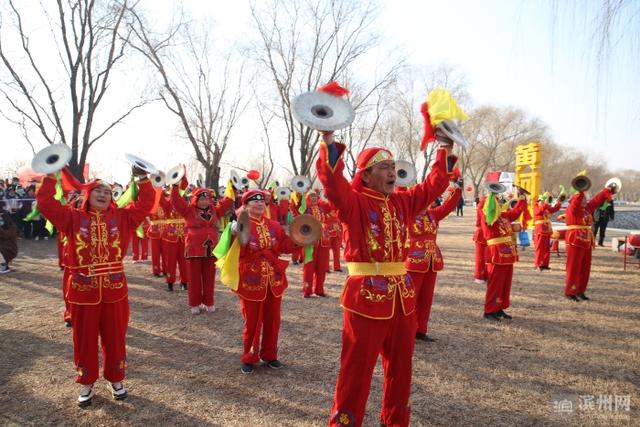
x=294 y=198
x=228 y=191
x=229 y=266
x=583 y=172
x=443 y=106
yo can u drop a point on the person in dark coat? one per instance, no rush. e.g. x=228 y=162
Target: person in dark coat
x=601 y=218
x=8 y=242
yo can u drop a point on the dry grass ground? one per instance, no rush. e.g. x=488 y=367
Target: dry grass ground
x=184 y=369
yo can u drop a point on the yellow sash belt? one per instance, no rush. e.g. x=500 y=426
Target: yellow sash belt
x=376 y=268
x=498 y=240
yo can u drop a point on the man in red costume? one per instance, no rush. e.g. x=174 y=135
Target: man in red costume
x=480 y=272
x=173 y=245
x=97 y=237
x=314 y=271
x=201 y=217
x=579 y=241
x=542 y=212
x=424 y=259
x=154 y=231
x=140 y=245
x=502 y=253
x=297 y=254
x=378 y=297
x=333 y=231
x=262 y=283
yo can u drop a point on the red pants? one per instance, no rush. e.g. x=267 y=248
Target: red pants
x=498 y=287
x=257 y=314
x=66 y=277
x=425 y=284
x=578 y=270
x=363 y=339
x=335 y=243
x=136 y=244
x=109 y=321
x=173 y=253
x=543 y=252
x=315 y=271
x=555 y=246
x=480 y=272
x=156 y=253
x=202 y=275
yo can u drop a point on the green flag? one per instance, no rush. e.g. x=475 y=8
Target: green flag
x=128 y=196
x=224 y=243
x=308 y=254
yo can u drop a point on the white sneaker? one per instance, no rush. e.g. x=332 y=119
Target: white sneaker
x=480 y=281
x=195 y=310
x=4 y=268
x=86 y=394
x=117 y=390
x=36 y=238
x=211 y=308
x=46 y=237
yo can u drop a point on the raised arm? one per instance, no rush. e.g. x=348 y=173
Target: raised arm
x=513 y=213
x=555 y=208
x=423 y=194
x=448 y=206
x=224 y=205
x=330 y=167
x=598 y=199
x=52 y=209
x=178 y=201
x=137 y=211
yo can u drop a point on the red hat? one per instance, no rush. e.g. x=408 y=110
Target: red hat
x=199 y=192
x=253 y=194
x=366 y=159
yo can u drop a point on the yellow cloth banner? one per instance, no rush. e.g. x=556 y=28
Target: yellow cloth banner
x=229 y=266
x=228 y=191
x=443 y=106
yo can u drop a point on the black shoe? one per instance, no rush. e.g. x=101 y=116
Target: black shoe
x=183 y=286
x=158 y=275
x=294 y=262
x=424 y=337
x=572 y=298
x=67 y=323
x=501 y=313
x=275 y=364
x=170 y=287
x=583 y=297
x=118 y=391
x=246 y=368
x=338 y=270
x=323 y=295
x=492 y=316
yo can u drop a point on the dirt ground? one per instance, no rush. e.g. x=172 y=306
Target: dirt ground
x=184 y=369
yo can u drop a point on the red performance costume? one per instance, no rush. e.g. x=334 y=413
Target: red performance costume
x=314 y=272
x=501 y=254
x=262 y=283
x=424 y=258
x=155 y=230
x=173 y=245
x=201 y=239
x=579 y=241
x=333 y=231
x=140 y=245
x=541 y=218
x=378 y=297
x=480 y=272
x=97 y=289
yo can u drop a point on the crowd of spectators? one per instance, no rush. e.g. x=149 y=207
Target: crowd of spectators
x=17 y=202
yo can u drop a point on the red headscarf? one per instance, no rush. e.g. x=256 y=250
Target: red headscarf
x=253 y=194
x=197 y=193
x=88 y=187
x=366 y=159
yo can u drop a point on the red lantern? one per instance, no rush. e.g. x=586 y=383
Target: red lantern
x=253 y=174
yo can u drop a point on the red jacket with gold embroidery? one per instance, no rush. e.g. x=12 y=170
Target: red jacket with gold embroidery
x=579 y=219
x=375 y=231
x=155 y=228
x=541 y=217
x=331 y=224
x=202 y=232
x=478 y=236
x=424 y=254
x=501 y=246
x=173 y=229
x=96 y=243
x=260 y=265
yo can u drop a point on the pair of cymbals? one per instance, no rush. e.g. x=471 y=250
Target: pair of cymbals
x=51 y=159
x=283 y=193
x=405 y=173
x=237 y=181
x=300 y=184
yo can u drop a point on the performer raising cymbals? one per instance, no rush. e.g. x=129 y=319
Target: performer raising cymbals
x=98 y=233
x=379 y=297
x=541 y=219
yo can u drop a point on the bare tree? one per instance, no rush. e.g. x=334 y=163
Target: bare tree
x=304 y=44
x=90 y=39
x=493 y=135
x=207 y=101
